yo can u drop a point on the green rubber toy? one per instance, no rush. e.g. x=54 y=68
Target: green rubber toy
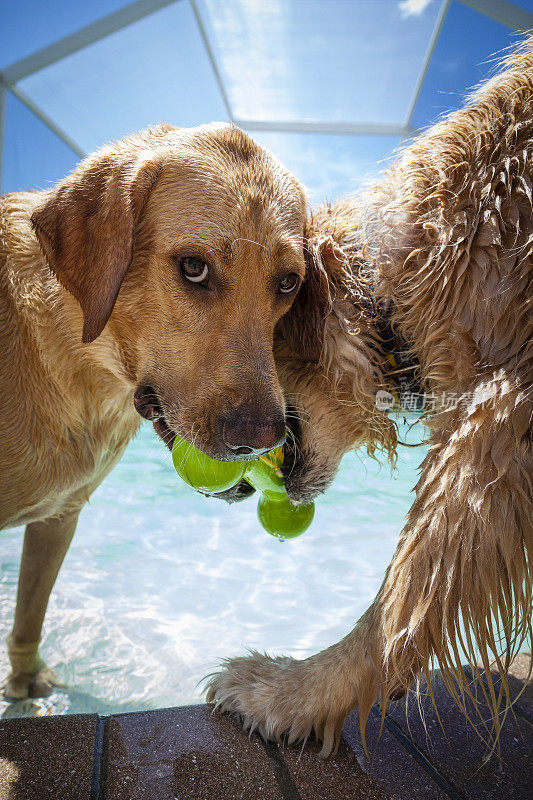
x=203 y=473
x=276 y=513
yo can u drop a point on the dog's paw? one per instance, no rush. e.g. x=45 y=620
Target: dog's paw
x=282 y=696
x=29 y=677
x=20 y=686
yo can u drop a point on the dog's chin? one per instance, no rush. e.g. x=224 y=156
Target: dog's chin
x=306 y=473
x=306 y=476
x=239 y=492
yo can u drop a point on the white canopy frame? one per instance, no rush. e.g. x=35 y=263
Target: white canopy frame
x=503 y=11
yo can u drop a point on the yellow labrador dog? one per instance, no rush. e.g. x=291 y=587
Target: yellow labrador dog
x=147 y=282
x=427 y=280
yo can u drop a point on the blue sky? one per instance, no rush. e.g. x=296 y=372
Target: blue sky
x=341 y=61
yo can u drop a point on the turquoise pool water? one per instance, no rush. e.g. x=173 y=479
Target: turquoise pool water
x=160 y=583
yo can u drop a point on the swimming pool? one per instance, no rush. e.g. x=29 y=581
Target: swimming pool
x=160 y=582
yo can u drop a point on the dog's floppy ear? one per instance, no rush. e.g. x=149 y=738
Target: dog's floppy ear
x=303 y=326
x=86 y=229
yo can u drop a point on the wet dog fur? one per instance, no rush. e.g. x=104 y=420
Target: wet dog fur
x=444 y=244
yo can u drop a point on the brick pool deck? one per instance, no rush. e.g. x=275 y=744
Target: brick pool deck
x=192 y=754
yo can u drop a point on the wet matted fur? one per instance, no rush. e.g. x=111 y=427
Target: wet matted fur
x=440 y=255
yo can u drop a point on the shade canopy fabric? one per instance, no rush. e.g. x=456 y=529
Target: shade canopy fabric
x=332 y=87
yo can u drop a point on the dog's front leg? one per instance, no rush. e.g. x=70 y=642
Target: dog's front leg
x=462 y=559
x=45 y=546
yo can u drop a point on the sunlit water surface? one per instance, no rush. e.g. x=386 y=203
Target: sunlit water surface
x=160 y=583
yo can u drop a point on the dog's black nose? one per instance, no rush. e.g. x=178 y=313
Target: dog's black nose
x=147 y=403
x=249 y=432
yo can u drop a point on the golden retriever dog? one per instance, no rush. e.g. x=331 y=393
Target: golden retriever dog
x=425 y=280
x=147 y=282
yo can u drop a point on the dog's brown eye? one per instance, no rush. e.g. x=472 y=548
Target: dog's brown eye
x=289 y=283
x=194 y=269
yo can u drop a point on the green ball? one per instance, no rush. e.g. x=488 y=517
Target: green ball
x=203 y=473
x=283 y=519
x=263 y=476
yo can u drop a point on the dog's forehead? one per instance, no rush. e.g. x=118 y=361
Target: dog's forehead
x=225 y=207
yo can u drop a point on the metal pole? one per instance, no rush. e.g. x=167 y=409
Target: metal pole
x=82 y=38
x=45 y=119
x=212 y=59
x=505 y=12
x=3 y=95
x=425 y=66
x=322 y=126
x=64 y=47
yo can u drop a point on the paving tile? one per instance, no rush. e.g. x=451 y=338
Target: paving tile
x=338 y=778
x=47 y=758
x=459 y=753
x=389 y=763
x=185 y=753
x=521 y=685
